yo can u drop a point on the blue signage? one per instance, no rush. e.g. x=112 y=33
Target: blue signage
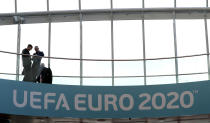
x=32 y=99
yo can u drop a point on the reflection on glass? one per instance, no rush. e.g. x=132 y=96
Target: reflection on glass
x=10 y=77
x=95 y=4
x=65 y=67
x=128 y=40
x=161 y=80
x=97 y=40
x=66 y=81
x=128 y=81
x=97 y=68
x=8 y=39
x=31 y=5
x=193 y=78
x=160 y=67
x=127 y=3
x=64 y=4
x=159 y=3
x=191 y=3
x=37 y=35
x=97 y=81
x=192 y=64
x=128 y=68
x=7 y=6
x=159 y=38
x=190 y=37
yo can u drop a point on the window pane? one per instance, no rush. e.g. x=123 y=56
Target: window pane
x=97 y=68
x=128 y=40
x=128 y=81
x=191 y=3
x=66 y=81
x=37 y=35
x=62 y=67
x=159 y=38
x=190 y=37
x=31 y=5
x=128 y=68
x=65 y=42
x=97 y=40
x=8 y=39
x=193 y=78
x=7 y=6
x=192 y=64
x=159 y=3
x=97 y=81
x=161 y=80
x=95 y=4
x=10 y=77
x=208 y=26
x=160 y=67
x=127 y=3
x=64 y=4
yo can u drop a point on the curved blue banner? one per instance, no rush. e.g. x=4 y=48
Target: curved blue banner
x=32 y=99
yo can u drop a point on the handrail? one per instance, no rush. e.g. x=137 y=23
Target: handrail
x=162 y=58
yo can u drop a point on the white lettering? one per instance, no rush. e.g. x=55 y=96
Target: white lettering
x=77 y=102
x=33 y=99
x=112 y=102
x=47 y=100
x=90 y=103
x=131 y=104
x=65 y=103
x=15 y=99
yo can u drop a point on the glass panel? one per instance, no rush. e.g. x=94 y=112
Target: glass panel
x=97 y=40
x=190 y=37
x=66 y=81
x=10 y=77
x=31 y=5
x=128 y=40
x=128 y=68
x=65 y=67
x=192 y=64
x=193 y=78
x=37 y=35
x=65 y=40
x=128 y=81
x=95 y=4
x=97 y=81
x=191 y=3
x=63 y=4
x=97 y=68
x=7 y=6
x=159 y=38
x=161 y=80
x=127 y=3
x=8 y=39
x=159 y=3
x=160 y=67
x=65 y=44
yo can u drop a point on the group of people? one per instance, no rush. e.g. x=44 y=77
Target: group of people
x=33 y=69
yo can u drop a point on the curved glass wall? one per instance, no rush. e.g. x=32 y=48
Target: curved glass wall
x=113 y=52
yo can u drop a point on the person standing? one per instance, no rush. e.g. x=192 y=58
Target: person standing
x=26 y=59
x=37 y=57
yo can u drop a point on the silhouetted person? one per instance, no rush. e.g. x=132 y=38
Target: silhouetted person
x=45 y=75
x=26 y=59
x=36 y=62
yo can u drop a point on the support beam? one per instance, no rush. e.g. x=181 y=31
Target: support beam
x=105 y=14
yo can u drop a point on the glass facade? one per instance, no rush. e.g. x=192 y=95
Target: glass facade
x=109 y=53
